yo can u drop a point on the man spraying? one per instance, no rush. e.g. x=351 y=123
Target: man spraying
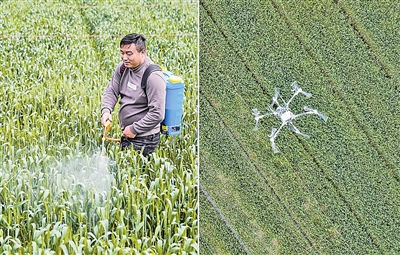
x=141 y=108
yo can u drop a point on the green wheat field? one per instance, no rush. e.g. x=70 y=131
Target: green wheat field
x=58 y=195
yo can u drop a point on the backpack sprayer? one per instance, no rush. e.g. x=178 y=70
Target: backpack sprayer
x=171 y=125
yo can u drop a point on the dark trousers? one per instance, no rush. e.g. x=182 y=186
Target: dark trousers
x=146 y=143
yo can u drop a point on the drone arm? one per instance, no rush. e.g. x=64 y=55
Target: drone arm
x=258 y=115
x=272 y=136
x=275 y=131
x=295 y=94
x=256 y=126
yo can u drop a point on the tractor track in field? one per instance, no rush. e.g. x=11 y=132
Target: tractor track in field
x=365 y=39
x=224 y=219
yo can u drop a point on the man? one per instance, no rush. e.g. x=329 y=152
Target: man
x=141 y=110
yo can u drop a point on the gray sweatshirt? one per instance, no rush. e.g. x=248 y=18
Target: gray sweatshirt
x=144 y=110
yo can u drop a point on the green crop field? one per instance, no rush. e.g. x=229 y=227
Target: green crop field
x=337 y=192
x=58 y=195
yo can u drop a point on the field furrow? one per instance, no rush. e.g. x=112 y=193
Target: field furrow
x=378 y=23
x=216 y=224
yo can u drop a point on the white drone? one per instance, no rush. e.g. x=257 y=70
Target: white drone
x=284 y=114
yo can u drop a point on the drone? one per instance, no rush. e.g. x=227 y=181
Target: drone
x=283 y=113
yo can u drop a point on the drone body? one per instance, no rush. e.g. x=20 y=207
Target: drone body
x=285 y=115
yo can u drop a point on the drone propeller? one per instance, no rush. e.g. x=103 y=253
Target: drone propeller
x=294 y=129
x=272 y=140
x=257 y=116
x=308 y=95
x=273 y=145
x=298 y=90
x=275 y=98
x=255 y=112
x=276 y=94
x=310 y=110
x=294 y=86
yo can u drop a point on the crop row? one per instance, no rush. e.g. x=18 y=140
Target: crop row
x=214 y=226
x=330 y=189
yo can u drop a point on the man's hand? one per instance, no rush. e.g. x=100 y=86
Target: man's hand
x=106 y=116
x=128 y=133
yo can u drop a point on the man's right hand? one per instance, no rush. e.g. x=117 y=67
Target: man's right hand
x=106 y=116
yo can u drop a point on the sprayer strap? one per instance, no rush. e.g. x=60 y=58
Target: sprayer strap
x=122 y=69
x=151 y=68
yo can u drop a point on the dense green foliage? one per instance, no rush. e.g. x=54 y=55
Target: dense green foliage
x=334 y=193
x=57 y=194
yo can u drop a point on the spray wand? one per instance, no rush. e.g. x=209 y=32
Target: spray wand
x=107 y=127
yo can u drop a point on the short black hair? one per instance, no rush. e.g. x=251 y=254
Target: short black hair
x=137 y=39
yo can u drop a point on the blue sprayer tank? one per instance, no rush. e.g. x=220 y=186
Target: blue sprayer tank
x=171 y=125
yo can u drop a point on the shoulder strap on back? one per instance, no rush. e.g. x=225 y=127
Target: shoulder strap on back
x=151 y=68
x=122 y=69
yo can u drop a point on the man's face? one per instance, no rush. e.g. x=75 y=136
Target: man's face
x=131 y=57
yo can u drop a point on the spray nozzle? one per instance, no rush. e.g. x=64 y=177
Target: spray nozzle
x=107 y=127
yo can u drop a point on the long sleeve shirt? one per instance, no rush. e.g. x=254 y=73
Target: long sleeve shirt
x=143 y=109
